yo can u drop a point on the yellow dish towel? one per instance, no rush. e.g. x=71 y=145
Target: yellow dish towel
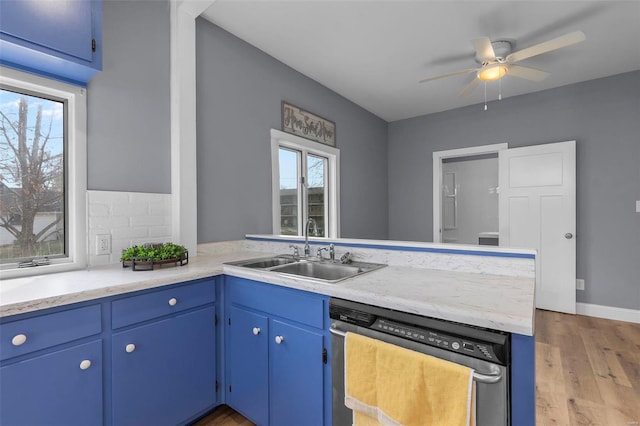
x=389 y=385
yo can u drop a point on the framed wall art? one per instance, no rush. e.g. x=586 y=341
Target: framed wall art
x=303 y=123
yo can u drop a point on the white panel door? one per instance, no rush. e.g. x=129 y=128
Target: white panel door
x=538 y=210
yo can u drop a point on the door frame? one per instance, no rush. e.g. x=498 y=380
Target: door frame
x=438 y=156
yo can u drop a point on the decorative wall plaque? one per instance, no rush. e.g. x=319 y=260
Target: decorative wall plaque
x=303 y=123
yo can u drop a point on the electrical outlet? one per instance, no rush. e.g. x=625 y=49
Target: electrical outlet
x=579 y=284
x=103 y=244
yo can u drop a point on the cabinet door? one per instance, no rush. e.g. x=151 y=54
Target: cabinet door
x=59 y=388
x=63 y=26
x=247 y=364
x=164 y=372
x=295 y=375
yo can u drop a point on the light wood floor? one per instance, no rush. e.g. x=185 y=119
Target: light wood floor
x=587 y=373
x=224 y=416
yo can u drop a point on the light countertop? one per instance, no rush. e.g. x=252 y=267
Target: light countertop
x=493 y=301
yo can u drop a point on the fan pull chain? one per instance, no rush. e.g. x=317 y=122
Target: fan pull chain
x=500 y=89
x=485 y=95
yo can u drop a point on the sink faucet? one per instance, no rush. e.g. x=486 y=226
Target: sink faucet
x=332 y=252
x=296 y=253
x=319 y=253
x=306 y=235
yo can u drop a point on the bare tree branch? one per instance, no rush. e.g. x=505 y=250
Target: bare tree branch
x=9 y=121
x=46 y=228
x=9 y=227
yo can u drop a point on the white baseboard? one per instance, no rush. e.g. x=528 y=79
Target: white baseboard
x=608 y=312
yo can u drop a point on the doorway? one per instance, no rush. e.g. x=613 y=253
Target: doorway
x=470 y=199
x=465 y=195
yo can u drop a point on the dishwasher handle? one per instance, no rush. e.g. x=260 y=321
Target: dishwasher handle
x=478 y=377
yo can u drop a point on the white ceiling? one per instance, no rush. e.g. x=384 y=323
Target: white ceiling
x=375 y=52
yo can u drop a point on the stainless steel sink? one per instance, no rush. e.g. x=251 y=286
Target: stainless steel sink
x=326 y=271
x=264 y=263
x=322 y=271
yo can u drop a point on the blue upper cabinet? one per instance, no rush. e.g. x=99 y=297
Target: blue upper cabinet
x=61 y=39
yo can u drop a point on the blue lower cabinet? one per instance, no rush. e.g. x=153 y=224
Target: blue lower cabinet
x=248 y=364
x=164 y=373
x=295 y=375
x=276 y=362
x=523 y=380
x=59 y=388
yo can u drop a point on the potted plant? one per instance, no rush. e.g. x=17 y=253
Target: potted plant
x=146 y=256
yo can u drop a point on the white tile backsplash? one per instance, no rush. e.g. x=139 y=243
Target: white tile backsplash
x=130 y=218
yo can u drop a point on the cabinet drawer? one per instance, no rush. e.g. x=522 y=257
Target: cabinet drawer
x=159 y=303
x=48 y=330
x=296 y=305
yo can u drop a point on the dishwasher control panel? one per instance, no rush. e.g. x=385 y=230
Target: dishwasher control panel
x=463 y=345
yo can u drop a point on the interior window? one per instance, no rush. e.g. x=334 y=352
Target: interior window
x=32 y=176
x=316 y=192
x=42 y=174
x=290 y=206
x=305 y=185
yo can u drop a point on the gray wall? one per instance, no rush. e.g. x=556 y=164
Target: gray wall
x=239 y=94
x=129 y=101
x=602 y=115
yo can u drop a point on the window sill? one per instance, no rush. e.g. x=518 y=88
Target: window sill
x=60 y=266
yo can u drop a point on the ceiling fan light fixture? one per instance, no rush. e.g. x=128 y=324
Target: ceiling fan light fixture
x=492 y=72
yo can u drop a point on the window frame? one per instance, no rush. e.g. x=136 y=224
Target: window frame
x=306 y=146
x=75 y=169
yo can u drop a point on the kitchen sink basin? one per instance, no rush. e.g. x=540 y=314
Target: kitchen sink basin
x=264 y=263
x=320 y=270
x=326 y=271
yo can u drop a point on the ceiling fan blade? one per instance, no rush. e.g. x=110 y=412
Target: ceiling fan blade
x=484 y=49
x=467 y=71
x=467 y=90
x=547 y=46
x=527 y=73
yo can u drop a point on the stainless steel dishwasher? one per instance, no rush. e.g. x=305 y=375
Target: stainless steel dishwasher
x=487 y=352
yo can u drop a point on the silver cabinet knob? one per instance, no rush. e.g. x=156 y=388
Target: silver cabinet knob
x=130 y=348
x=279 y=339
x=568 y=235
x=256 y=331
x=173 y=301
x=18 y=339
x=85 y=364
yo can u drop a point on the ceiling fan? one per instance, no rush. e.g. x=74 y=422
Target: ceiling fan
x=497 y=60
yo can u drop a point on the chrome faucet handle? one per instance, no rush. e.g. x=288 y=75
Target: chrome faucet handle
x=319 y=252
x=346 y=258
x=332 y=252
x=296 y=252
